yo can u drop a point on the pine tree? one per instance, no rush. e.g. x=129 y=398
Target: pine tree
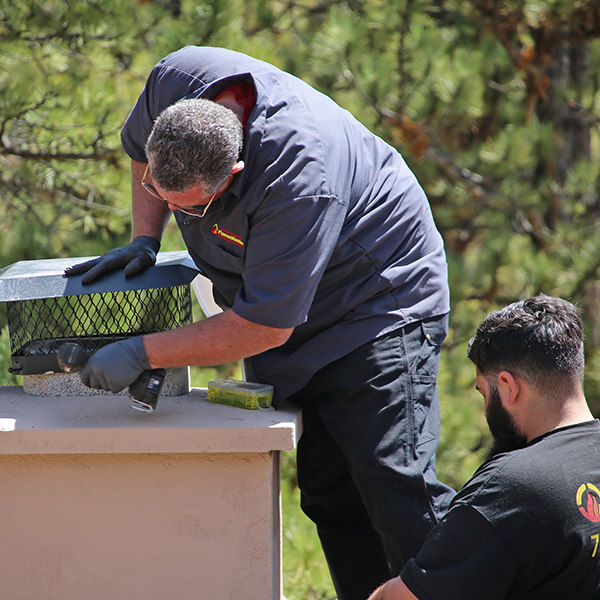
x=493 y=103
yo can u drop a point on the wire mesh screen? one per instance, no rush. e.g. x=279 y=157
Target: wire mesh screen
x=39 y=327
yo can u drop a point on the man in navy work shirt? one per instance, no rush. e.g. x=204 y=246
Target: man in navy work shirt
x=323 y=253
x=527 y=525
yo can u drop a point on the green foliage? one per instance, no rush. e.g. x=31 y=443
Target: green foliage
x=7 y=378
x=61 y=112
x=465 y=437
x=305 y=572
x=495 y=106
x=200 y=376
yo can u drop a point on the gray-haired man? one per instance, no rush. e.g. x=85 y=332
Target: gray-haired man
x=323 y=253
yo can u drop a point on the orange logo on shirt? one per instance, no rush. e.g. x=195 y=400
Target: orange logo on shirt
x=227 y=235
x=589 y=495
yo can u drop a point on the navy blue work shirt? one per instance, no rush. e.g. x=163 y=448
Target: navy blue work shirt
x=325 y=229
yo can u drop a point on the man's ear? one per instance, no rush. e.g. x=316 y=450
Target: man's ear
x=237 y=167
x=508 y=388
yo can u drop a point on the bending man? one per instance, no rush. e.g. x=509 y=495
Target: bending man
x=324 y=255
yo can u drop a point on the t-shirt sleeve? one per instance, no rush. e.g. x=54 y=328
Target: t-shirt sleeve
x=463 y=558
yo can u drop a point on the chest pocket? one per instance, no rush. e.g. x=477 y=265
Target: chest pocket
x=218 y=253
x=221 y=242
x=232 y=244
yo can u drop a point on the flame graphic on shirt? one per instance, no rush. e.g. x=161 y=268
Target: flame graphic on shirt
x=592 y=509
x=227 y=235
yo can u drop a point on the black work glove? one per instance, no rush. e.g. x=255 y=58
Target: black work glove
x=116 y=366
x=134 y=257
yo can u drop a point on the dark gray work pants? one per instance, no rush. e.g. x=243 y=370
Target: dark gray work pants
x=366 y=458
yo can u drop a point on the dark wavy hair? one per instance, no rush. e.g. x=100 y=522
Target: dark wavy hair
x=539 y=339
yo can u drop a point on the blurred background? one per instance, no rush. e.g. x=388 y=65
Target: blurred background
x=494 y=104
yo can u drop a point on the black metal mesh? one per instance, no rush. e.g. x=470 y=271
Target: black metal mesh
x=39 y=327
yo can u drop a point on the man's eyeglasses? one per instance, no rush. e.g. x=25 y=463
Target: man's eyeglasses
x=197 y=210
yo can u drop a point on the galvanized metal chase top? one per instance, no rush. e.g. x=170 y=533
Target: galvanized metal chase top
x=32 y=279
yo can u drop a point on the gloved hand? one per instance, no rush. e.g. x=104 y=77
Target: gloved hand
x=134 y=257
x=116 y=366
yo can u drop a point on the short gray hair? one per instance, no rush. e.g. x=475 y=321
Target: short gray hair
x=194 y=142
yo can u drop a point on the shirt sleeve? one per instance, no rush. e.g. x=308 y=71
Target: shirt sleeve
x=463 y=558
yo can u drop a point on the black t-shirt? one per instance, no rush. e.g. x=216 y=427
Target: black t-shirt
x=527 y=526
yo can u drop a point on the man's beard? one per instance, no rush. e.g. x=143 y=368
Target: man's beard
x=505 y=432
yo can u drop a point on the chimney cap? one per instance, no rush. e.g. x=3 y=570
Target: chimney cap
x=33 y=279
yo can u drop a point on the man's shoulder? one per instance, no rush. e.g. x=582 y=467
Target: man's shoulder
x=193 y=54
x=212 y=63
x=532 y=514
x=539 y=464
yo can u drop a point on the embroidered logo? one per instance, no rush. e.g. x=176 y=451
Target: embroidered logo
x=588 y=501
x=227 y=235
